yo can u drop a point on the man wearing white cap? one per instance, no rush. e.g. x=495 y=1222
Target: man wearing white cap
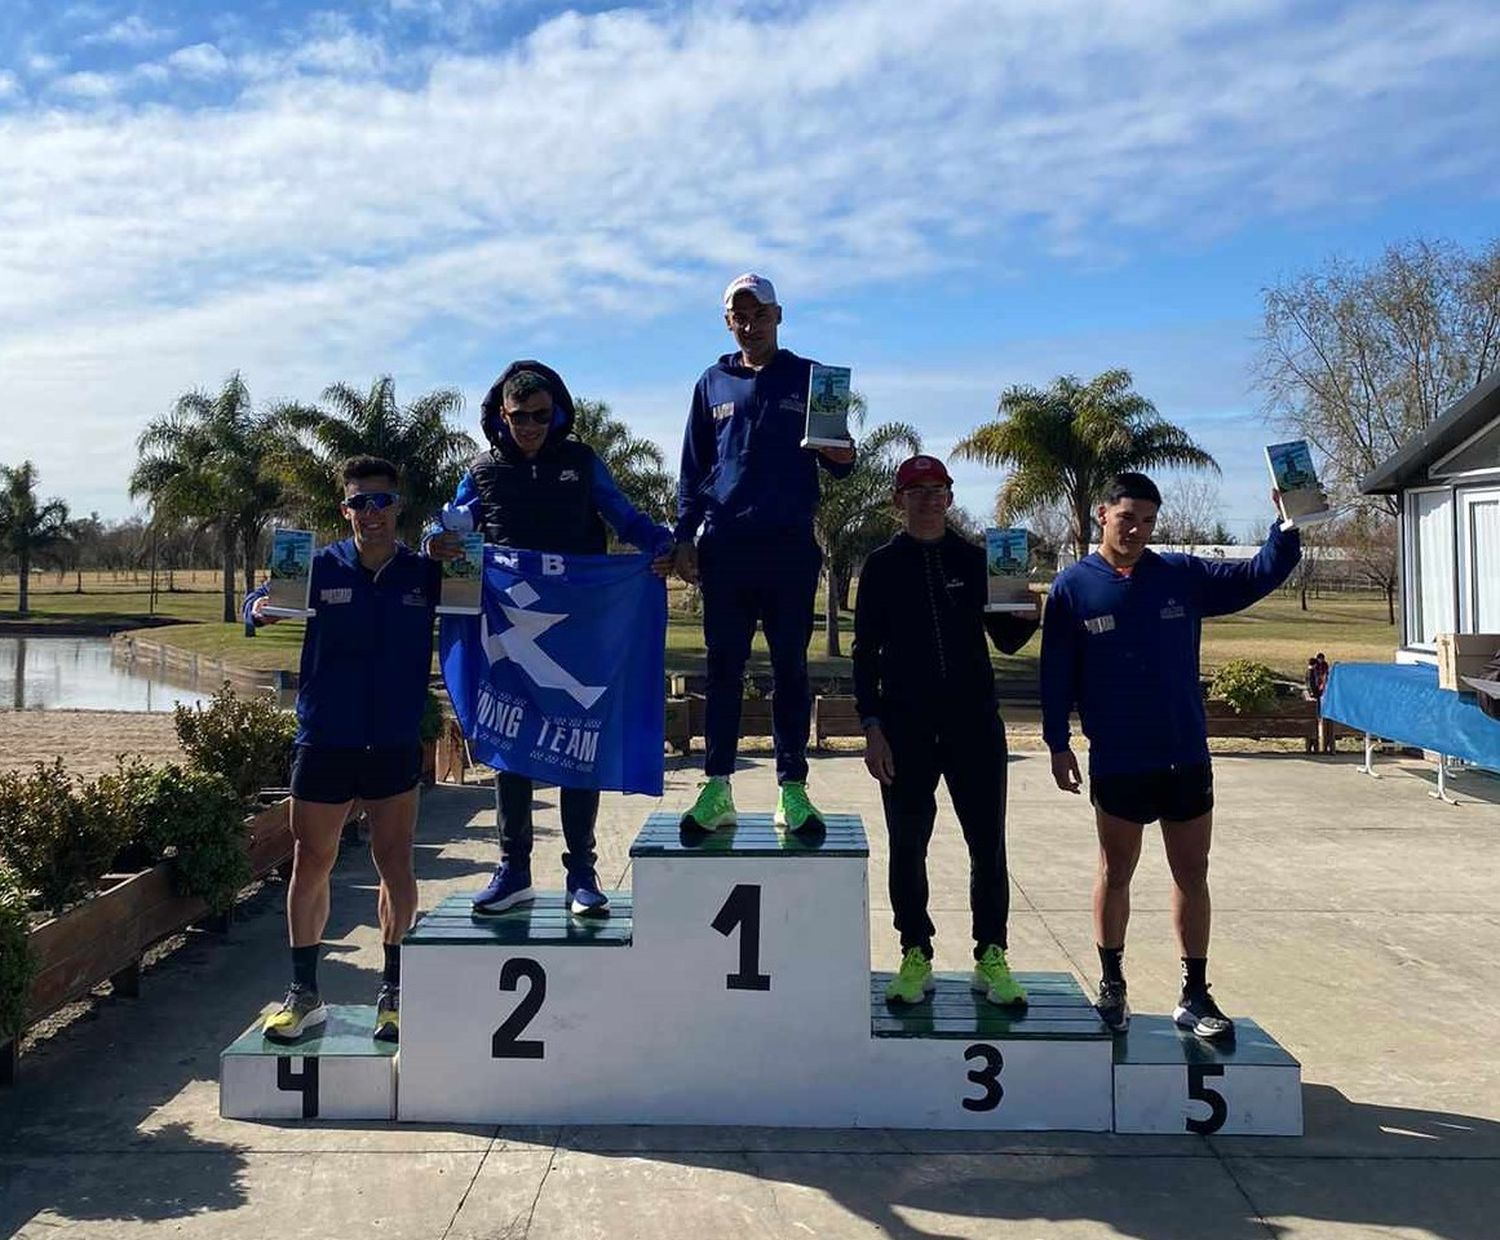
x=751 y=486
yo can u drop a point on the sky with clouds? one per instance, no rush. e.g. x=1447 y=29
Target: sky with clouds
x=952 y=196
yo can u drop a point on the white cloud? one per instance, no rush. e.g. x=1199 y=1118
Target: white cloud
x=200 y=60
x=133 y=31
x=87 y=85
x=10 y=85
x=314 y=225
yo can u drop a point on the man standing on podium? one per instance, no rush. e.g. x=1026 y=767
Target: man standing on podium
x=366 y=660
x=1120 y=643
x=925 y=692
x=748 y=481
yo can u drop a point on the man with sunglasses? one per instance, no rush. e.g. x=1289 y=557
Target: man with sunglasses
x=540 y=488
x=747 y=480
x=366 y=661
x=925 y=692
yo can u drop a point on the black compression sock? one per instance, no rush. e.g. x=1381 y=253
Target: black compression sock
x=1194 y=974
x=391 y=975
x=305 y=966
x=1112 y=961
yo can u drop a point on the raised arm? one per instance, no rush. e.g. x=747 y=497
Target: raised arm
x=1231 y=587
x=466 y=496
x=628 y=521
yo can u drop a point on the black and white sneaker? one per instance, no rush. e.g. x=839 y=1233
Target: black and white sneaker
x=1113 y=1010
x=1197 y=1011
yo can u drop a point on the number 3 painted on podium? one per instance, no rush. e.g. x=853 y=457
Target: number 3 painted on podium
x=988 y=1076
x=506 y=1044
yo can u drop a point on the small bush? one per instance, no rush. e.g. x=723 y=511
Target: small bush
x=198 y=823
x=126 y=796
x=1247 y=686
x=17 y=967
x=52 y=838
x=246 y=740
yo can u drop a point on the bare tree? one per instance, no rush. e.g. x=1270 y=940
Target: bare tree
x=1368 y=536
x=1358 y=359
x=1050 y=524
x=1189 y=514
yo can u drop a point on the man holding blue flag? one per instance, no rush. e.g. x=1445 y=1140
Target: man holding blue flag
x=752 y=486
x=540 y=489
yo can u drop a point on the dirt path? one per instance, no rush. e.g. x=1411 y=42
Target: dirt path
x=86 y=740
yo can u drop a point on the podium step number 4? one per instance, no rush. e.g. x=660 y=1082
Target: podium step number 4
x=732 y=985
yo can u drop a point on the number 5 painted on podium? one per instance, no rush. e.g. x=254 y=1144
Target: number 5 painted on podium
x=1218 y=1109
x=506 y=1043
x=742 y=909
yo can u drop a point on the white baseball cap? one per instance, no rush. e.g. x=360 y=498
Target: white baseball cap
x=757 y=286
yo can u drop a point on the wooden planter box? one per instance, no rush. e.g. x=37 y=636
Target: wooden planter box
x=104 y=938
x=429 y=763
x=679 y=731
x=755 y=716
x=1292 y=718
x=834 y=716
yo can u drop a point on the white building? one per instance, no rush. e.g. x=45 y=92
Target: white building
x=1447 y=480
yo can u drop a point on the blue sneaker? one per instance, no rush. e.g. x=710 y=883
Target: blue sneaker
x=509 y=886
x=584 y=897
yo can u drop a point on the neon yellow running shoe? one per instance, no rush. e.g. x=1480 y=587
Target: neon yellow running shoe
x=714 y=807
x=794 y=812
x=993 y=978
x=300 y=1012
x=913 y=983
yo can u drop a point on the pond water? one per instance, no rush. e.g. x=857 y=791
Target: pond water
x=77 y=673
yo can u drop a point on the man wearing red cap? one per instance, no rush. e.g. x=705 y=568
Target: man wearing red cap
x=926 y=697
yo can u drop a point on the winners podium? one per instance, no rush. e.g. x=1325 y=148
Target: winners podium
x=732 y=985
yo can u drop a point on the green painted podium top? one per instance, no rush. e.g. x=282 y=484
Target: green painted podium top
x=1058 y=1010
x=545 y=922
x=1153 y=1041
x=754 y=836
x=346 y=1035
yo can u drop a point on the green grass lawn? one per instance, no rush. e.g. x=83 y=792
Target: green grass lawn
x=1275 y=631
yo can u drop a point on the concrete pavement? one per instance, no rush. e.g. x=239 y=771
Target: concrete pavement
x=1356 y=920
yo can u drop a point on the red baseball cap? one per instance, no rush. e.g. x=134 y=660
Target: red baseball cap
x=921 y=468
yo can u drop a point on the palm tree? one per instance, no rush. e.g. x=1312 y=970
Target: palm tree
x=203 y=462
x=855 y=514
x=1067 y=442
x=417 y=439
x=29 y=531
x=637 y=465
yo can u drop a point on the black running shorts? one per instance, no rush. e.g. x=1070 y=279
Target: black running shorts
x=1173 y=795
x=333 y=776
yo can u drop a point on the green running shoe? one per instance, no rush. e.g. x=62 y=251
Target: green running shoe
x=992 y=977
x=714 y=807
x=301 y=1012
x=914 y=982
x=794 y=812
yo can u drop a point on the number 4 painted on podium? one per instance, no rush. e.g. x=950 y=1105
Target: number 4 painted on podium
x=742 y=909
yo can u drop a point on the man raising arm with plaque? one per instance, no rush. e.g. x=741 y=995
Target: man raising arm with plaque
x=1120 y=639
x=925 y=691
x=752 y=486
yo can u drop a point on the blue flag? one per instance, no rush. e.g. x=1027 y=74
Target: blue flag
x=560 y=678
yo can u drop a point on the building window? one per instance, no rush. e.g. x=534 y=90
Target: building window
x=1430 y=584
x=1479 y=561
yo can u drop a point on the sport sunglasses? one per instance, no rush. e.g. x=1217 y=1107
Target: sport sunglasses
x=361 y=500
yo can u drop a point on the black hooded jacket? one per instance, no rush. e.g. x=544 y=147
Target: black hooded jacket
x=546 y=503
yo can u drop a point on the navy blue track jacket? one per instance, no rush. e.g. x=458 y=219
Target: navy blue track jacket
x=743 y=464
x=1123 y=649
x=367 y=654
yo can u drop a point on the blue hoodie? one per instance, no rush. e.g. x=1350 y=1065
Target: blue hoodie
x=367 y=653
x=1123 y=649
x=743 y=464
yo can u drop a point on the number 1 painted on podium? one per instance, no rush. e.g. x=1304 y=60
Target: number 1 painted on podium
x=742 y=909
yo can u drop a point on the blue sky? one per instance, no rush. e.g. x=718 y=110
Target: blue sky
x=952 y=196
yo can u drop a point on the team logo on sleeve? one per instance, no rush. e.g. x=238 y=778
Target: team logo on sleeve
x=1173 y=610
x=568 y=475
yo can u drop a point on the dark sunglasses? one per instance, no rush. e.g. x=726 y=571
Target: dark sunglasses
x=521 y=418
x=361 y=500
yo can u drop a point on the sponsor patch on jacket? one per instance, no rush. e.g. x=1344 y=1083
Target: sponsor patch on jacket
x=568 y=475
x=1173 y=610
x=342 y=594
x=1100 y=624
x=720 y=412
x=414 y=598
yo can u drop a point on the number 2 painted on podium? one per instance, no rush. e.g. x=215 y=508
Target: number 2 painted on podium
x=506 y=1043
x=742 y=909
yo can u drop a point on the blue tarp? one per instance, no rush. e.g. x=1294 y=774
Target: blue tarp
x=1402 y=702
